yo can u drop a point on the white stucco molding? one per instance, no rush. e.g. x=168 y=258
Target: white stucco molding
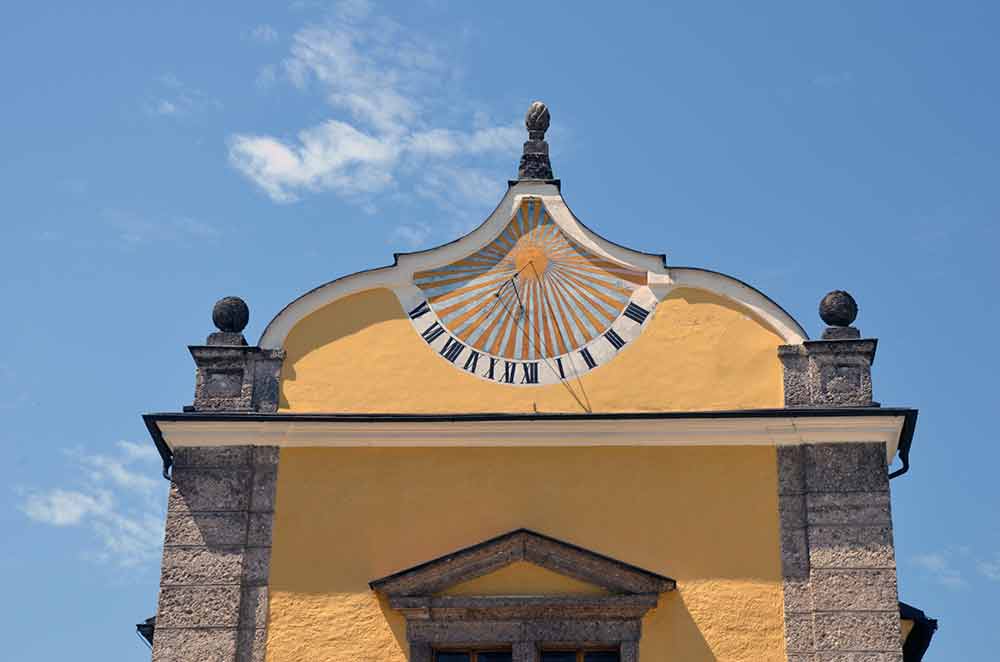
x=399 y=275
x=706 y=429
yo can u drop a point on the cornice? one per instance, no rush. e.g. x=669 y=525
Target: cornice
x=773 y=427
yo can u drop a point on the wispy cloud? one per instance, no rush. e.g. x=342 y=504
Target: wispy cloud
x=118 y=499
x=173 y=98
x=941 y=568
x=390 y=122
x=410 y=235
x=134 y=229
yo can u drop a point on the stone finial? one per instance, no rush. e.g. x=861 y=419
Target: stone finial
x=232 y=376
x=537 y=120
x=839 y=310
x=230 y=316
x=535 y=162
x=836 y=370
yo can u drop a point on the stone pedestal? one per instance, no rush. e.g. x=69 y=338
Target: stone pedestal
x=828 y=373
x=236 y=378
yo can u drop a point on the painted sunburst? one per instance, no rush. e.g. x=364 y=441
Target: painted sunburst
x=532 y=293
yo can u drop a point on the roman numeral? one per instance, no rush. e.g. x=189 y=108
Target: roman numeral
x=420 y=310
x=432 y=332
x=587 y=358
x=637 y=314
x=615 y=339
x=452 y=348
x=509 y=372
x=470 y=363
x=530 y=375
x=491 y=373
x=562 y=373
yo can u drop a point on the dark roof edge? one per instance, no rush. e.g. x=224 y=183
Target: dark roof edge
x=162 y=448
x=796 y=412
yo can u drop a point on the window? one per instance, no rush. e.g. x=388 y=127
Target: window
x=473 y=656
x=580 y=656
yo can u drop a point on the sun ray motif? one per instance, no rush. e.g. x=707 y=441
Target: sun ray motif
x=532 y=293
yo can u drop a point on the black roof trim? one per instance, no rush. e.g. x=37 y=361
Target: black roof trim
x=919 y=639
x=797 y=412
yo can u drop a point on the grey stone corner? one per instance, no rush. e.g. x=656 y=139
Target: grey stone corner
x=232 y=376
x=834 y=371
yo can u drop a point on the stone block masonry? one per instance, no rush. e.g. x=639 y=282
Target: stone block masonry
x=838 y=561
x=216 y=556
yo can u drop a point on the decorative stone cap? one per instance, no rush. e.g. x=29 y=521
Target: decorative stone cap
x=535 y=162
x=232 y=376
x=230 y=316
x=839 y=310
x=834 y=371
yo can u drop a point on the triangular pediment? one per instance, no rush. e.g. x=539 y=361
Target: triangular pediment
x=583 y=567
x=524 y=578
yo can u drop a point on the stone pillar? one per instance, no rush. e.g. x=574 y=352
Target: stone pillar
x=837 y=554
x=232 y=376
x=216 y=556
x=838 y=561
x=524 y=651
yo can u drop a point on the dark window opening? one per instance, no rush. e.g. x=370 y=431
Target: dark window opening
x=473 y=656
x=580 y=656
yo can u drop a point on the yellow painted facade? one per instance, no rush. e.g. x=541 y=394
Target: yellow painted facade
x=699 y=352
x=708 y=517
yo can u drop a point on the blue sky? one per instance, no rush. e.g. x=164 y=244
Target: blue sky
x=157 y=157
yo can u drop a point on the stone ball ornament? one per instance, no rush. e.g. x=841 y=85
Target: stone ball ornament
x=838 y=308
x=230 y=314
x=537 y=120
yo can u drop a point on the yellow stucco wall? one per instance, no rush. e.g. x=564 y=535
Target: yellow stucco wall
x=708 y=517
x=699 y=352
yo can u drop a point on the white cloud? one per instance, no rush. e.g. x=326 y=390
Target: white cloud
x=385 y=85
x=65 y=507
x=333 y=155
x=941 y=569
x=120 y=500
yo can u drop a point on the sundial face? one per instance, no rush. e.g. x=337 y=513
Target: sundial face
x=534 y=306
